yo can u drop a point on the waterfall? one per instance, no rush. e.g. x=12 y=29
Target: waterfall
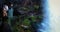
x=54 y=15
x=44 y=26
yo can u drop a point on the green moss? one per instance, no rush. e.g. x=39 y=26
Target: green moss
x=26 y=22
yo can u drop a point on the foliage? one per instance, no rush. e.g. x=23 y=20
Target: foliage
x=25 y=20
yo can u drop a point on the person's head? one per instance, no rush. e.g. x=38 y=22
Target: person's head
x=10 y=4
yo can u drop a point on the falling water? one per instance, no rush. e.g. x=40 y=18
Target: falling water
x=44 y=26
x=54 y=15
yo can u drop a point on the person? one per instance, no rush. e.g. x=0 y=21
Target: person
x=5 y=26
x=10 y=12
x=4 y=12
x=10 y=15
